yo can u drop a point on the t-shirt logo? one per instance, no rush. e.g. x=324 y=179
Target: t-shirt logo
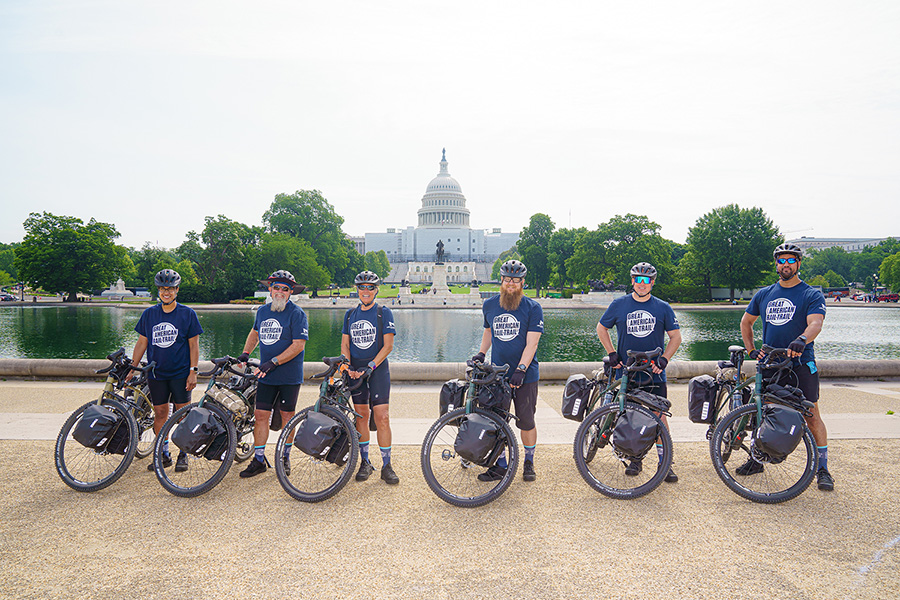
x=780 y=311
x=269 y=332
x=640 y=323
x=362 y=334
x=164 y=335
x=506 y=327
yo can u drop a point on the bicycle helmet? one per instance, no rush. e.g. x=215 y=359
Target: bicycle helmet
x=788 y=248
x=643 y=268
x=167 y=278
x=367 y=277
x=283 y=277
x=513 y=268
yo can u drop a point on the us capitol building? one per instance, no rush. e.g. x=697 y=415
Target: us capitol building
x=468 y=253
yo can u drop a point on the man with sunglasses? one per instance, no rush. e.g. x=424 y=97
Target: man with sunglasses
x=170 y=335
x=367 y=338
x=281 y=330
x=642 y=323
x=794 y=315
x=513 y=324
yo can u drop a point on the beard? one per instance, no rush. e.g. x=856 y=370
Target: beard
x=510 y=300
x=786 y=274
x=279 y=304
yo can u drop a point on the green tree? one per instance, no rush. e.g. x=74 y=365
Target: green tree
x=834 y=259
x=62 y=254
x=738 y=242
x=355 y=263
x=818 y=280
x=229 y=262
x=378 y=263
x=534 y=246
x=8 y=258
x=144 y=264
x=6 y=278
x=562 y=248
x=280 y=251
x=834 y=280
x=889 y=272
x=511 y=254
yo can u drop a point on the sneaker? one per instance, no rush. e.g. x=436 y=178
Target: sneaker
x=166 y=461
x=365 y=469
x=528 y=473
x=671 y=477
x=387 y=473
x=751 y=467
x=634 y=467
x=255 y=467
x=494 y=473
x=286 y=462
x=181 y=464
x=825 y=480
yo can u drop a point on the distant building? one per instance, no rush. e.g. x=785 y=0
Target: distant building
x=848 y=244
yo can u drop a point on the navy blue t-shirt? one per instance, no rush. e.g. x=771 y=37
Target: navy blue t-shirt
x=361 y=326
x=509 y=330
x=277 y=330
x=786 y=310
x=167 y=339
x=640 y=326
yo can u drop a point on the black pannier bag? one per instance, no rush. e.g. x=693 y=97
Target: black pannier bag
x=495 y=395
x=316 y=434
x=340 y=450
x=218 y=448
x=634 y=433
x=453 y=395
x=575 y=397
x=196 y=431
x=652 y=401
x=118 y=443
x=97 y=426
x=779 y=433
x=476 y=438
x=702 y=392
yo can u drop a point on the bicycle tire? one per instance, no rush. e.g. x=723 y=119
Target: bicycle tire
x=245 y=440
x=606 y=471
x=144 y=417
x=314 y=479
x=777 y=482
x=455 y=480
x=203 y=474
x=88 y=470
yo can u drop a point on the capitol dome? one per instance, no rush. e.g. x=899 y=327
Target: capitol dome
x=443 y=204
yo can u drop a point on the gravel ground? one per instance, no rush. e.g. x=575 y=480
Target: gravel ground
x=554 y=538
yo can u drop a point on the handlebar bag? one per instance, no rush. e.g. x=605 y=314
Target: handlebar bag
x=196 y=431
x=575 y=397
x=316 y=434
x=495 y=395
x=476 y=438
x=702 y=392
x=453 y=394
x=97 y=426
x=634 y=434
x=780 y=431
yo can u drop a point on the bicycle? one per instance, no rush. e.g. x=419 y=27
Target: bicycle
x=732 y=390
x=777 y=480
x=319 y=473
x=130 y=429
x=452 y=471
x=232 y=407
x=606 y=462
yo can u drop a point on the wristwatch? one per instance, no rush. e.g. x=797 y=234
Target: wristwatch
x=522 y=367
x=372 y=365
x=195 y=369
x=275 y=361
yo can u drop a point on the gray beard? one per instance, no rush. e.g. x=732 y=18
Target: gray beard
x=279 y=304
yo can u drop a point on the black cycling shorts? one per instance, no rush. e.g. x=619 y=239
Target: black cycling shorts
x=163 y=391
x=285 y=395
x=808 y=380
x=376 y=388
x=525 y=400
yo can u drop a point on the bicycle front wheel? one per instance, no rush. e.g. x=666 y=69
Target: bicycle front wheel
x=458 y=481
x=768 y=483
x=202 y=474
x=604 y=468
x=314 y=479
x=86 y=469
x=143 y=416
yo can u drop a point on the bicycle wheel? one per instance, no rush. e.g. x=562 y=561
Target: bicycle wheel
x=202 y=474
x=316 y=479
x=244 y=433
x=776 y=482
x=88 y=470
x=603 y=467
x=143 y=415
x=454 y=479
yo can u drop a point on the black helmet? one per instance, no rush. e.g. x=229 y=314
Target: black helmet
x=167 y=278
x=367 y=277
x=513 y=268
x=643 y=268
x=283 y=277
x=788 y=248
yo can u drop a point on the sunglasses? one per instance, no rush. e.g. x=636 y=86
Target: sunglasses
x=365 y=287
x=642 y=279
x=789 y=261
x=281 y=288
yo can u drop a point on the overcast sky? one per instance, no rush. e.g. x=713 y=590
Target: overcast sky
x=153 y=115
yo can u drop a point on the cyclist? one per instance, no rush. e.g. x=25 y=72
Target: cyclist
x=513 y=324
x=281 y=330
x=169 y=333
x=795 y=313
x=367 y=338
x=642 y=322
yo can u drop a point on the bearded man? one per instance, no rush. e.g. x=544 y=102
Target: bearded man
x=281 y=330
x=513 y=325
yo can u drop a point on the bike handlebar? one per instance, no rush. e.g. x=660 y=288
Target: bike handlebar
x=336 y=363
x=489 y=372
x=220 y=365
x=641 y=361
x=770 y=355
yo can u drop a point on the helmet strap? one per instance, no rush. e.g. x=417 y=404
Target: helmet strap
x=170 y=303
x=643 y=295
